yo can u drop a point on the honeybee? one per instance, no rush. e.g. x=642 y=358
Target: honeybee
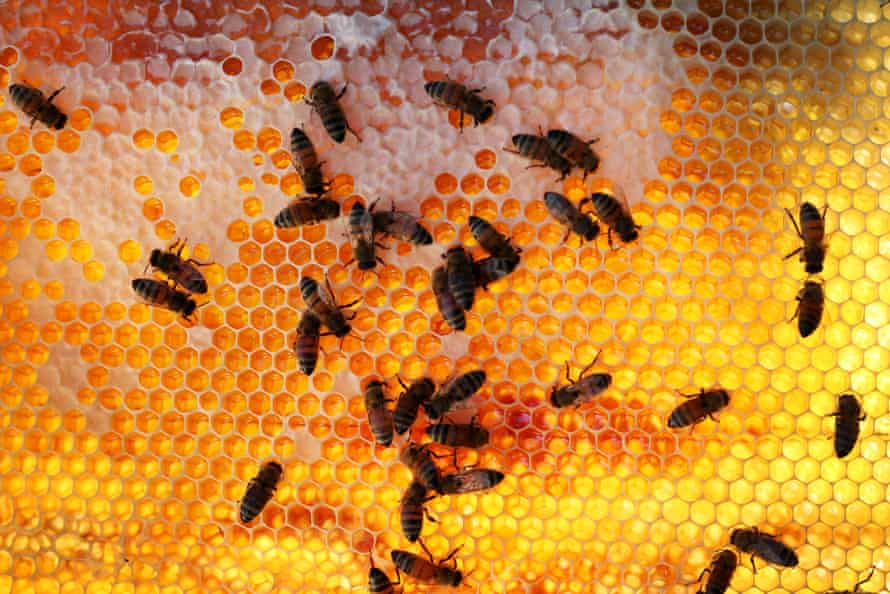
x=581 y=390
x=574 y=150
x=40 y=108
x=699 y=406
x=468 y=481
x=856 y=589
x=429 y=572
x=458 y=389
x=322 y=304
x=812 y=232
x=461 y=281
x=163 y=295
x=412 y=510
x=379 y=417
x=182 y=272
x=468 y=435
x=307 y=212
x=538 y=148
x=260 y=491
x=401 y=225
x=811 y=301
x=419 y=459
x=307 y=164
x=451 y=311
x=306 y=344
x=571 y=216
x=379 y=582
x=326 y=103
x=763 y=545
x=409 y=403
x=491 y=240
x=846 y=424
x=489 y=270
x=361 y=237
x=723 y=565
x=448 y=93
x=616 y=215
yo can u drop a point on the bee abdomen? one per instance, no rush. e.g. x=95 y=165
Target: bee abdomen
x=683 y=416
x=445 y=92
x=779 y=553
x=380 y=420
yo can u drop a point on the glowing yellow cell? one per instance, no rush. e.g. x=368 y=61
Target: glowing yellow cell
x=31 y=165
x=143 y=184
x=167 y=141
x=244 y=140
x=295 y=91
x=190 y=186
x=268 y=140
x=143 y=138
x=56 y=250
x=130 y=251
x=165 y=230
x=8 y=122
x=93 y=271
x=69 y=141
x=7 y=162
x=80 y=119
x=323 y=47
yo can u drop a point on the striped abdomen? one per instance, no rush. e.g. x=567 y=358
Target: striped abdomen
x=455 y=435
x=260 y=491
x=411 y=510
x=846 y=424
x=420 y=461
x=409 y=404
x=307 y=212
x=327 y=105
x=489 y=270
x=302 y=150
x=424 y=571
x=765 y=546
x=469 y=481
x=459 y=266
x=571 y=216
x=723 y=566
x=457 y=96
x=460 y=388
x=451 y=311
x=614 y=214
x=491 y=240
x=574 y=150
x=379 y=582
x=809 y=309
x=306 y=342
x=37 y=106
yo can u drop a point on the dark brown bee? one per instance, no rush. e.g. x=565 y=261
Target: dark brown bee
x=448 y=93
x=306 y=343
x=451 y=311
x=429 y=572
x=379 y=417
x=856 y=589
x=723 y=565
x=616 y=215
x=361 y=237
x=469 y=435
x=491 y=240
x=40 y=108
x=846 y=424
x=307 y=212
x=420 y=461
x=379 y=582
x=763 y=545
x=409 y=403
x=581 y=390
x=461 y=282
x=699 y=406
x=307 y=164
x=163 y=295
x=458 y=389
x=260 y=491
x=322 y=304
x=538 y=148
x=812 y=232
x=811 y=301
x=326 y=103
x=412 y=510
x=182 y=272
x=489 y=270
x=468 y=481
x=571 y=216
x=401 y=225
x=574 y=150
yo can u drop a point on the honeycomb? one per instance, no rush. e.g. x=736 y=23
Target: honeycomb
x=128 y=437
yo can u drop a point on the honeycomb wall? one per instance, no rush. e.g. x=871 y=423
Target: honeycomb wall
x=126 y=437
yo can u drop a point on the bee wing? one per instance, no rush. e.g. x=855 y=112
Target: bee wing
x=466 y=481
x=325 y=294
x=367 y=226
x=622 y=197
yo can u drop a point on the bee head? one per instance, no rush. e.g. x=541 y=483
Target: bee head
x=189 y=306
x=737 y=537
x=630 y=235
x=308 y=286
x=60 y=121
x=155 y=257
x=485 y=113
x=428 y=87
x=456 y=578
x=592 y=231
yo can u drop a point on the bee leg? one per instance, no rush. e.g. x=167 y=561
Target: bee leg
x=594 y=141
x=753 y=567
x=59 y=90
x=461 y=121
x=700 y=576
x=611 y=246
x=515 y=152
x=343 y=91
x=592 y=363
x=354 y=133
x=401 y=383
x=568 y=377
x=33 y=121
x=793 y=222
x=566 y=236
x=426 y=550
x=451 y=555
x=868 y=577
x=797 y=251
x=479 y=90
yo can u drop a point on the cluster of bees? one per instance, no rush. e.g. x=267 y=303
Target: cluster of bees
x=454 y=284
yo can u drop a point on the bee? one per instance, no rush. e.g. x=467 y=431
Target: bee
x=379 y=582
x=491 y=240
x=419 y=459
x=322 y=304
x=723 y=565
x=457 y=96
x=811 y=301
x=326 y=103
x=409 y=403
x=430 y=572
x=574 y=150
x=260 y=491
x=489 y=270
x=451 y=311
x=307 y=212
x=468 y=481
x=571 y=216
x=616 y=215
x=401 y=225
x=163 y=295
x=846 y=424
x=40 y=108
x=412 y=510
x=469 y=435
x=379 y=417
x=538 y=148
x=581 y=390
x=458 y=389
x=812 y=232
x=182 y=272
x=306 y=343
x=307 y=164
x=856 y=589
x=699 y=406
x=763 y=545
x=361 y=236
x=461 y=281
